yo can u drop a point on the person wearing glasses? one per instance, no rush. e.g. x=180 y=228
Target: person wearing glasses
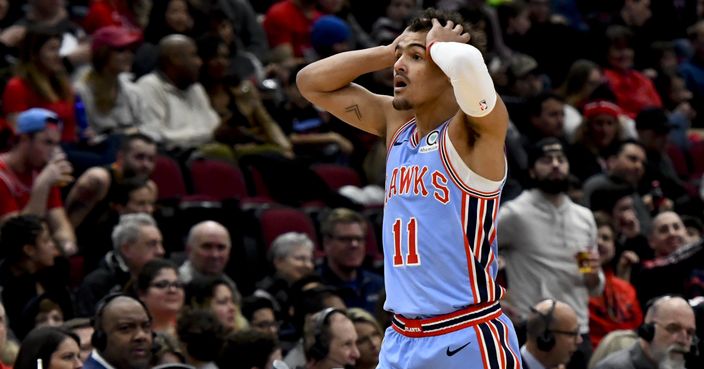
x=161 y=290
x=552 y=335
x=344 y=234
x=666 y=336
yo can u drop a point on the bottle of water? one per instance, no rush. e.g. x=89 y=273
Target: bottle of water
x=81 y=117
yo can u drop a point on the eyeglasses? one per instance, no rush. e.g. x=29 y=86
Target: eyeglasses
x=162 y=285
x=347 y=239
x=574 y=333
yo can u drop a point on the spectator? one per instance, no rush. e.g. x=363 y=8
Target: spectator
x=618 y=306
x=542 y=232
x=331 y=35
x=161 y=290
x=309 y=129
x=599 y=129
x=52 y=16
x=5 y=343
x=677 y=101
x=134 y=195
x=169 y=352
x=136 y=240
x=369 y=337
x=202 y=337
x=208 y=247
x=250 y=349
x=82 y=328
x=259 y=312
x=668 y=234
x=31 y=173
x=165 y=18
x=89 y=202
x=390 y=26
x=41 y=311
x=41 y=81
x=546 y=115
x=245 y=123
x=693 y=68
x=54 y=348
x=612 y=342
x=633 y=90
x=116 y=13
x=291 y=254
x=653 y=126
x=665 y=337
x=330 y=340
x=91 y=196
x=311 y=297
x=625 y=164
x=123 y=335
x=217 y=294
x=174 y=98
x=31 y=271
x=110 y=99
x=344 y=234
x=287 y=25
x=553 y=336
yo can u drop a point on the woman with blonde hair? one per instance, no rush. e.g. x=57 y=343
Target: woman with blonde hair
x=369 y=337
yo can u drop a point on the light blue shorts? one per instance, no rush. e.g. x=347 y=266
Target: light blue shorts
x=490 y=344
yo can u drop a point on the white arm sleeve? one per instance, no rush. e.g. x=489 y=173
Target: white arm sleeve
x=464 y=65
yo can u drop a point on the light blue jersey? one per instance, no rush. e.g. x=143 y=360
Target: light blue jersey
x=439 y=235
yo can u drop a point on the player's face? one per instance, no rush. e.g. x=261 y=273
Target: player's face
x=417 y=80
x=345 y=247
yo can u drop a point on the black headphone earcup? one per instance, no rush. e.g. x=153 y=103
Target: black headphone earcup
x=318 y=351
x=98 y=340
x=545 y=341
x=646 y=331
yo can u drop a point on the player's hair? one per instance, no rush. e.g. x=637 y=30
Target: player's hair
x=423 y=23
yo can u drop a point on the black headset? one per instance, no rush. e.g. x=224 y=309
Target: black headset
x=546 y=340
x=99 y=339
x=646 y=331
x=321 y=341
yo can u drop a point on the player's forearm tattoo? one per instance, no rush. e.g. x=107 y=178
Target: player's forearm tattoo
x=354 y=109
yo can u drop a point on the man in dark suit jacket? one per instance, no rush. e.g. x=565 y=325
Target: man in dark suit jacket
x=123 y=335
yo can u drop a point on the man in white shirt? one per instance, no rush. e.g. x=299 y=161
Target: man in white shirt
x=178 y=113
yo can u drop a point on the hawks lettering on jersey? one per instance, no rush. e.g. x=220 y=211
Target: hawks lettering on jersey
x=415 y=180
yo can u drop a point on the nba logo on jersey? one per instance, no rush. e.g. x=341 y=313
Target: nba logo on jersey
x=482 y=105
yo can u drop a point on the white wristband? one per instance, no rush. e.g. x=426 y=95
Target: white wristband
x=464 y=65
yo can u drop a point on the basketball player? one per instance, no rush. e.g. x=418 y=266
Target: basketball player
x=444 y=130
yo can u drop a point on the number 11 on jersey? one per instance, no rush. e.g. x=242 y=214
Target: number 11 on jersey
x=412 y=257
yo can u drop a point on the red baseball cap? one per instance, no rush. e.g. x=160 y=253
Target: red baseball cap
x=115 y=37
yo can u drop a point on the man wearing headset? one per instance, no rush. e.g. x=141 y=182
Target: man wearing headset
x=330 y=340
x=667 y=334
x=552 y=335
x=123 y=335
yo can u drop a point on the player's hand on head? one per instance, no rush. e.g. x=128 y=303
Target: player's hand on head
x=450 y=32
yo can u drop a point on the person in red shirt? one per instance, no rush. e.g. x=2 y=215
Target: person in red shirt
x=288 y=25
x=103 y=13
x=618 y=306
x=31 y=173
x=42 y=82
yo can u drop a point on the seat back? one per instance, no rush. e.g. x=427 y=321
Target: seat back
x=168 y=178
x=217 y=179
x=336 y=176
x=277 y=221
